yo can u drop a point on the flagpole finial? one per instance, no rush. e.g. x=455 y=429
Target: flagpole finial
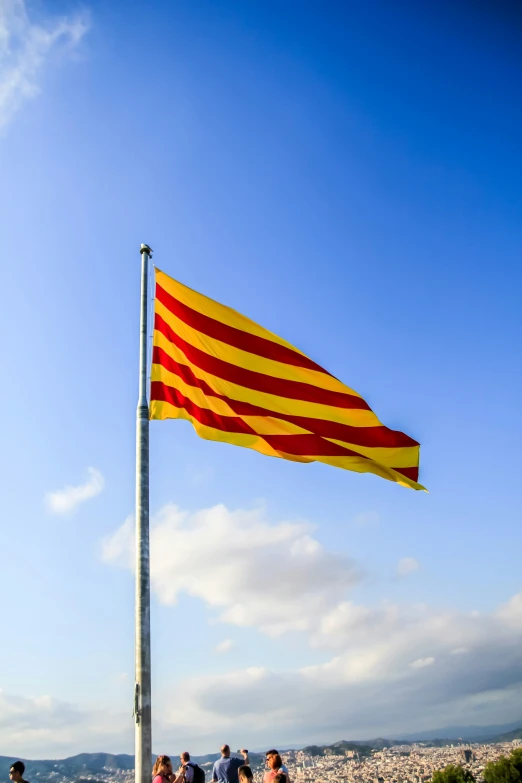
x=146 y=249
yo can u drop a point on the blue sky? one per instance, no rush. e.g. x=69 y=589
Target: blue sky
x=348 y=175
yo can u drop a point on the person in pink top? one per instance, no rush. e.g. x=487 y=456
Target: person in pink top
x=162 y=771
x=275 y=768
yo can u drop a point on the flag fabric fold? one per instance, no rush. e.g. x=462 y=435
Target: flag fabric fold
x=238 y=383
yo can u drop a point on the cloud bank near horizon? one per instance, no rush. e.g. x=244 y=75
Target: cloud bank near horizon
x=383 y=686
x=44 y=727
x=388 y=668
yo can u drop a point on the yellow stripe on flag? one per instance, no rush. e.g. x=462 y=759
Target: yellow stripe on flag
x=238 y=383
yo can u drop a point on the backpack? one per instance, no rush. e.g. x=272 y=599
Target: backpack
x=199 y=774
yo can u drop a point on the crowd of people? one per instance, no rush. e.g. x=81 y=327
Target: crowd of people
x=227 y=769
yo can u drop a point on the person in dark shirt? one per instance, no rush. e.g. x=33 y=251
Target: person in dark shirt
x=226 y=768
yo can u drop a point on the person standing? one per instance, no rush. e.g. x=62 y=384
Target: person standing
x=16 y=773
x=226 y=768
x=162 y=771
x=274 y=752
x=186 y=770
x=275 y=767
x=245 y=774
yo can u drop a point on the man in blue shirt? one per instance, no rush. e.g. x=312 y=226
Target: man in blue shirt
x=225 y=768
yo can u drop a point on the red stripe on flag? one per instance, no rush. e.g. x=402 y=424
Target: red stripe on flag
x=371 y=437
x=280 y=387
x=204 y=415
x=411 y=473
x=304 y=445
x=296 y=445
x=260 y=346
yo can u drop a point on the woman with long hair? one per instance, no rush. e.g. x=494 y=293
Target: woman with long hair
x=275 y=767
x=162 y=770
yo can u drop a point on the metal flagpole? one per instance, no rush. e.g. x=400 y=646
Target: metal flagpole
x=142 y=703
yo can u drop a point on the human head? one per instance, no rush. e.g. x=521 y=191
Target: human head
x=275 y=761
x=280 y=778
x=245 y=774
x=16 y=771
x=184 y=757
x=162 y=766
x=225 y=751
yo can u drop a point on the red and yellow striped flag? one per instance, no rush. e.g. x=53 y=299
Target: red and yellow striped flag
x=239 y=383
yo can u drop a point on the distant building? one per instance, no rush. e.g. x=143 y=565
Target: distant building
x=467 y=755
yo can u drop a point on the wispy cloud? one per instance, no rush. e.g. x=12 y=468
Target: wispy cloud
x=224 y=647
x=407 y=565
x=421 y=663
x=65 y=501
x=25 y=48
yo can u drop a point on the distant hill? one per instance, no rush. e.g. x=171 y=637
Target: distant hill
x=77 y=768
x=73 y=767
x=463 y=732
x=362 y=747
x=507 y=736
x=365 y=747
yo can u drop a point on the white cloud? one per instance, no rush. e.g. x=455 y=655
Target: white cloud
x=372 y=687
x=276 y=577
x=511 y=613
x=24 y=49
x=407 y=565
x=65 y=501
x=42 y=726
x=224 y=647
x=119 y=548
x=421 y=663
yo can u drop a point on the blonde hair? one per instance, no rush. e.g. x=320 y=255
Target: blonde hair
x=160 y=766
